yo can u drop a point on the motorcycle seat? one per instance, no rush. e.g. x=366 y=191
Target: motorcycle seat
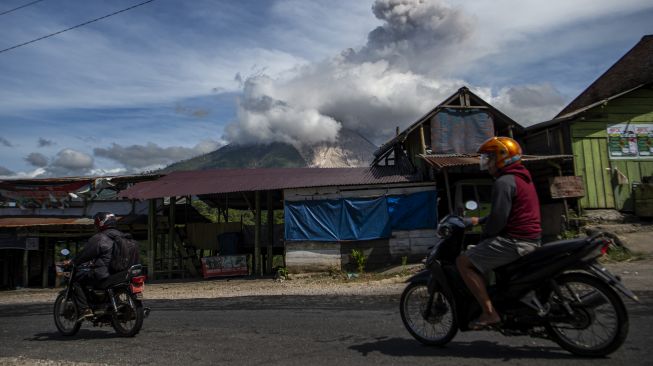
x=114 y=279
x=540 y=254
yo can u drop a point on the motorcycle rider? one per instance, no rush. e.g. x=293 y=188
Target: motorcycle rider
x=511 y=230
x=93 y=261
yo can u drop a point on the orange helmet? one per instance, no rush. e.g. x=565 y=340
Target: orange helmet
x=506 y=150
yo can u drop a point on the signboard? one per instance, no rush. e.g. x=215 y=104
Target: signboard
x=227 y=265
x=630 y=141
x=566 y=187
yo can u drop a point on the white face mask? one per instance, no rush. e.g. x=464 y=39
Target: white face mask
x=485 y=158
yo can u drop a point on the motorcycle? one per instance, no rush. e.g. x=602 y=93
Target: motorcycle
x=118 y=303
x=559 y=292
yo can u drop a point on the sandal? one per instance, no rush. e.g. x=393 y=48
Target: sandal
x=481 y=325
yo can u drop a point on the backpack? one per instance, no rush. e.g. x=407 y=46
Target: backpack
x=124 y=253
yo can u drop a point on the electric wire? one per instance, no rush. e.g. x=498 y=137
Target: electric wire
x=20 y=7
x=76 y=26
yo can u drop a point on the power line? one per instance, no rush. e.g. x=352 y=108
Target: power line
x=20 y=7
x=77 y=26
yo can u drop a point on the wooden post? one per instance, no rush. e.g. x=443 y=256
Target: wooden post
x=25 y=268
x=270 y=208
x=44 y=263
x=422 y=140
x=151 y=237
x=446 y=184
x=171 y=234
x=257 y=233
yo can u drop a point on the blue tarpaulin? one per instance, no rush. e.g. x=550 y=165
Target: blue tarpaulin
x=358 y=218
x=413 y=211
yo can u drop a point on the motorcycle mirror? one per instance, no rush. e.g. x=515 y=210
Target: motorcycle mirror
x=471 y=205
x=65 y=252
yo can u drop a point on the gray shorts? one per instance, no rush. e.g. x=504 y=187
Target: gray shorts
x=491 y=253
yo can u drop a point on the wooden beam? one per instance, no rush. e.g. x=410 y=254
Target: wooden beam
x=448 y=188
x=171 y=234
x=151 y=237
x=270 y=210
x=44 y=263
x=25 y=268
x=257 y=234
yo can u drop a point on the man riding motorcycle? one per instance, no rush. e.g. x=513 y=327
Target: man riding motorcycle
x=511 y=230
x=93 y=261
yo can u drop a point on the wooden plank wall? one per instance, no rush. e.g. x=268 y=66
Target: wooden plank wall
x=589 y=143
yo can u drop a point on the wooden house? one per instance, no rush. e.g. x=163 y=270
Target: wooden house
x=609 y=130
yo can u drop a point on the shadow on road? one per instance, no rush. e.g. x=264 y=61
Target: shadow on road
x=82 y=334
x=476 y=349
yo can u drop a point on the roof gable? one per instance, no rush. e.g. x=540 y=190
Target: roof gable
x=633 y=69
x=461 y=99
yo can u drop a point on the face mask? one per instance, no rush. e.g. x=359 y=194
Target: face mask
x=485 y=158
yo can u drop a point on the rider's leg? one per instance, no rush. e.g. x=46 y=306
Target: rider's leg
x=476 y=284
x=81 y=280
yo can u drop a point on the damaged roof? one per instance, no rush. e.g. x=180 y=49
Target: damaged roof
x=460 y=160
x=185 y=183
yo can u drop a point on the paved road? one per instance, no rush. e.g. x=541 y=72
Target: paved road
x=290 y=331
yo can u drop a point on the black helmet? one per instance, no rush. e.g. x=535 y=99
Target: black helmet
x=104 y=220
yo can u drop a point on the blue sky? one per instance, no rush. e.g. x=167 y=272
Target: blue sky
x=173 y=79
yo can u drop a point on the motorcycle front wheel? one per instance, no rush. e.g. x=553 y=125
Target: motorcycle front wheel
x=436 y=328
x=599 y=324
x=128 y=321
x=66 y=313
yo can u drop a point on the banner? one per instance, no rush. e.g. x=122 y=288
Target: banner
x=630 y=141
x=228 y=265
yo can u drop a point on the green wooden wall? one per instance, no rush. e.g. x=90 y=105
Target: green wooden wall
x=590 y=148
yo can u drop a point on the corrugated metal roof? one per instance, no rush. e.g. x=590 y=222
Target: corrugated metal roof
x=42 y=221
x=248 y=180
x=460 y=160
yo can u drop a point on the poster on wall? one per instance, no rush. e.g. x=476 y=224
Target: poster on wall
x=644 y=140
x=630 y=141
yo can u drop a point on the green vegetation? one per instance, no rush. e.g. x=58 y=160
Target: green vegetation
x=360 y=259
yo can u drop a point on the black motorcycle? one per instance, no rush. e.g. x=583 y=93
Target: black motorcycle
x=558 y=292
x=118 y=303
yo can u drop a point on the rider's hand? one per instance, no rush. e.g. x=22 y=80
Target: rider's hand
x=474 y=220
x=67 y=262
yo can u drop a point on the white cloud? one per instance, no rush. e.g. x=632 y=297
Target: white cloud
x=71 y=160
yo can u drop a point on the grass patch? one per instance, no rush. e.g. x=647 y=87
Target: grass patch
x=621 y=254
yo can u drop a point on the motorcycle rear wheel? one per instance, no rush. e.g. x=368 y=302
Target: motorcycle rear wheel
x=600 y=325
x=66 y=314
x=129 y=319
x=439 y=327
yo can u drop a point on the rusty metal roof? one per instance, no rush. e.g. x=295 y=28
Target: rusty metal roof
x=198 y=182
x=460 y=160
x=43 y=221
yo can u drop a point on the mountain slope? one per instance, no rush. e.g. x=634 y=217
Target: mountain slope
x=351 y=150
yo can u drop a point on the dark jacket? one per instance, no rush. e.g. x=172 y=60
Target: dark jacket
x=515 y=208
x=97 y=251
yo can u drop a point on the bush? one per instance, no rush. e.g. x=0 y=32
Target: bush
x=360 y=259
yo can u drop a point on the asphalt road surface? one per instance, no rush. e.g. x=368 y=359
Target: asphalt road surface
x=289 y=330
